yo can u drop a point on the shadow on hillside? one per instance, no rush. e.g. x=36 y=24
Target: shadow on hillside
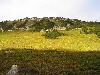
x=50 y=62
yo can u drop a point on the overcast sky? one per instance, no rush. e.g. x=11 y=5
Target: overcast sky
x=88 y=10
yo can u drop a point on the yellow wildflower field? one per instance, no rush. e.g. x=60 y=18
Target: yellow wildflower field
x=33 y=40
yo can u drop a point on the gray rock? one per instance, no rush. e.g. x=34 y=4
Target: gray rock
x=13 y=70
x=8 y=51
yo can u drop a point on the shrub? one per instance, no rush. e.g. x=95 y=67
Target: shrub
x=98 y=34
x=97 y=31
x=52 y=34
x=88 y=30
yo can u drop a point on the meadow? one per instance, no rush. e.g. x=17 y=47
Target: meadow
x=71 y=54
x=73 y=40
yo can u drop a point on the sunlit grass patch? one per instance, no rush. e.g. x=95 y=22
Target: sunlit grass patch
x=73 y=40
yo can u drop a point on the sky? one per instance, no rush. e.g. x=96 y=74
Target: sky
x=86 y=10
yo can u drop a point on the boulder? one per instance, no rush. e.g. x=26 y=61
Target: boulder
x=13 y=70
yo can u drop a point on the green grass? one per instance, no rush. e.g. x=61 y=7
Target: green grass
x=73 y=40
x=51 y=62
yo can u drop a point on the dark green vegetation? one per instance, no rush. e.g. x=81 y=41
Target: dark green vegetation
x=50 y=62
x=91 y=27
x=53 y=34
x=37 y=24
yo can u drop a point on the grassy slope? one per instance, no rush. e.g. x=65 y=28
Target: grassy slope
x=73 y=41
x=51 y=62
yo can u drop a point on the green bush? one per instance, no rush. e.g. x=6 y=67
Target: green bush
x=84 y=29
x=97 y=31
x=88 y=30
x=52 y=34
x=98 y=34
